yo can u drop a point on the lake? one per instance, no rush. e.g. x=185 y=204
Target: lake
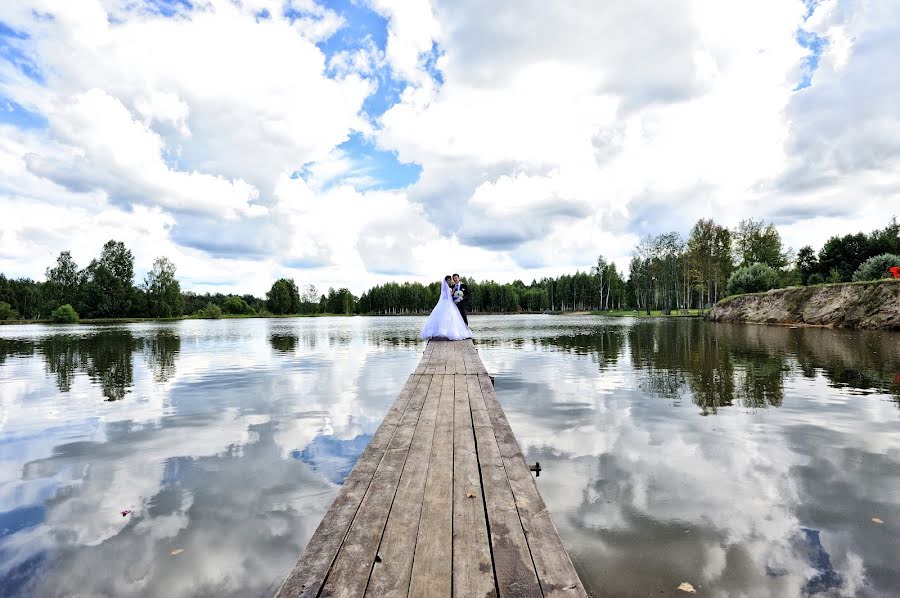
x=196 y=458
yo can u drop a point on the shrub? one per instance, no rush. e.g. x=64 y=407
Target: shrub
x=7 y=312
x=64 y=314
x=211 y=311
x=236 y=305
x=815 y=278
x=752 y=279
x=876 y=267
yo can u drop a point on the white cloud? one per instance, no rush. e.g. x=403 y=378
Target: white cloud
x=547 y=133
x=412 y=31
x=609 y=107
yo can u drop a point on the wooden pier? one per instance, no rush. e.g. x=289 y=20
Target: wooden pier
x=440 y=503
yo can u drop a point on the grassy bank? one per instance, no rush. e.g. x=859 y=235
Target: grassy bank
x=656 y=313
x=809 y=288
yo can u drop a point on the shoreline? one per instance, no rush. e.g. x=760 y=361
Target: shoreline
x=109 y=321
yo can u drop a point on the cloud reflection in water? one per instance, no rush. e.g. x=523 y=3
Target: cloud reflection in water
x=748 y=460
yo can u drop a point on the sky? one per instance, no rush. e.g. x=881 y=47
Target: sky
x=348 y=143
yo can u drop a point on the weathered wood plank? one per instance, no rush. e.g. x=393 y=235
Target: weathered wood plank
x=391 y=574
x=480 y=417
x=513 y=566
x=307 y=576
x=473 y=573
x=431 y=573
x=555 y=571
x=440 y=502
x=350 y=572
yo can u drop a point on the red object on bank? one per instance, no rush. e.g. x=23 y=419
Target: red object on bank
x=895 y=270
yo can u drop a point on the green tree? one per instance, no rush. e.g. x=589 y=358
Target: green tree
x=807 y=263
x=62 y=281
x=841 y=256
x=64 y=314
x=283 y=297
x=759 y=242
x=211 y=311
x=340 y=302
x=238 y=306
x=752 y=279
x=108 y=282
x=876 y=267
x=24 y=296
x=700 y=253
x=7 y=312
x=163 y=290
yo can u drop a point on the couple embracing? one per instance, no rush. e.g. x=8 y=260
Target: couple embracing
x=449 y=318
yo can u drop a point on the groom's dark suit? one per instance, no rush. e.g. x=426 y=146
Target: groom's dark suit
x=463 y=305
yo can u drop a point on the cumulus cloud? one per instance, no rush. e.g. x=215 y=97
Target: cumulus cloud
x=696 y=103
x=545 y=133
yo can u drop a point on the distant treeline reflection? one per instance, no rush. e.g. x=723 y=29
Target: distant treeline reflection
x=725 y=365
x=106 y=357
x=712 y=365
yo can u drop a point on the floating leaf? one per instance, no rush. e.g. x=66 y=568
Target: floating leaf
x=686 y=587
x=877 y=520
x=177 y=551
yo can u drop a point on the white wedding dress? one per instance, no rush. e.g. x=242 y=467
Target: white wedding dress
x=445 y=321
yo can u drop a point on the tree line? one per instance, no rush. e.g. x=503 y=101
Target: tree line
x=669 y=272
x=666 y=272
x=106 y=288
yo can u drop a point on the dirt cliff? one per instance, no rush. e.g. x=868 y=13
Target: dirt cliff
x=853 y=305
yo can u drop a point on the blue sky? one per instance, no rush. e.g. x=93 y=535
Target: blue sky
x=345 y=143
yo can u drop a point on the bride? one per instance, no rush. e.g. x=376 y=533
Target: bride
x=445 y=321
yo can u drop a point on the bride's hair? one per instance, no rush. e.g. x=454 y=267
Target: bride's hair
x=447 y=279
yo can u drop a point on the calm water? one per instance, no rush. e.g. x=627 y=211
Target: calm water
x=745 y=460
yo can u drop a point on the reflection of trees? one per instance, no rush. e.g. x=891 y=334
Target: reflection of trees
x=161 y=352
x=762 y=382
x=62 y=358
x=107 y=357
x=13 y=347
x=604 y=344
x=392 y=341
x=283 y=343
x=692 y=356
x=858 y=359
x=720 y=364
x=864 y=360
x=711 y=374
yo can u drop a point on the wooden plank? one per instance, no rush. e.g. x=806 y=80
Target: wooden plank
x=555 y=571
x=459 y=362
x=431 y=573
x=468 y=361
x=480 y=417
x=350 y=572
x=308 y=574
x=473 y=364
x=391 y=574
x=473 y=573
x=513 y=567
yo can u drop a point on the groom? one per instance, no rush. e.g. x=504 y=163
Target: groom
x=462 y=304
